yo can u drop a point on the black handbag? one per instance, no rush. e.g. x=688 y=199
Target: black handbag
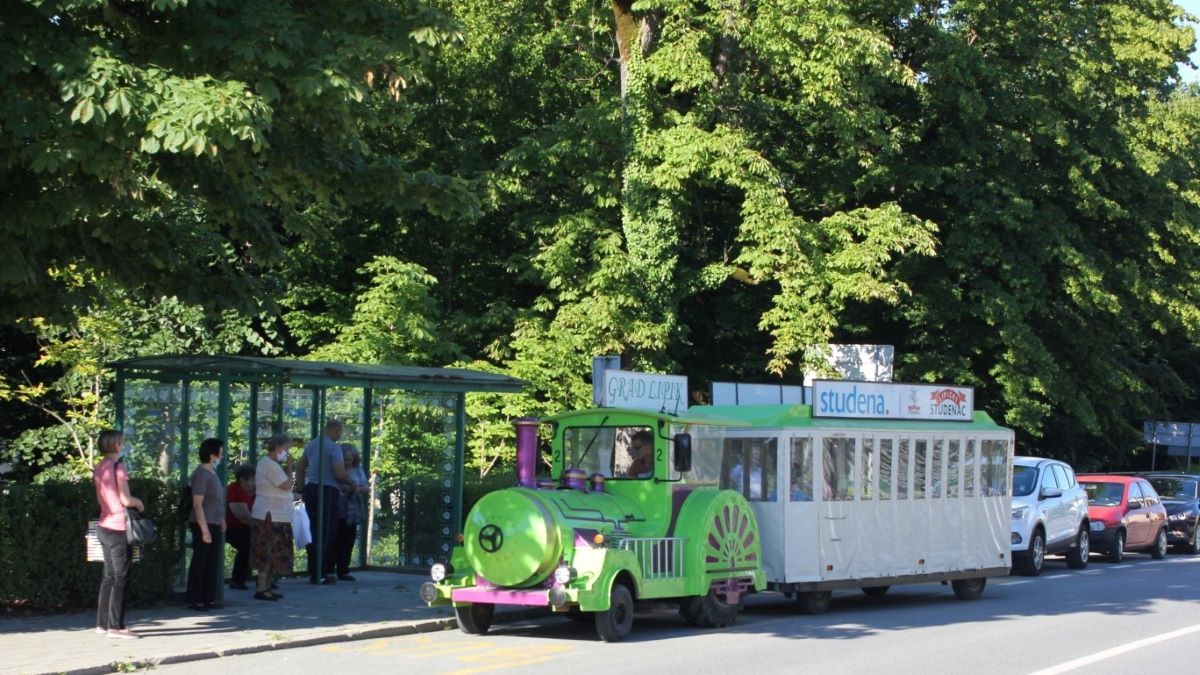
x=139 y=529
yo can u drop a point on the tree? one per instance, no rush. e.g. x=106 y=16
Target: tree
x=184 y=146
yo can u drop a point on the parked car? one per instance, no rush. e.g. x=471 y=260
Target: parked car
x=1049 y=515
x=1126 y=515
x=1180 y=493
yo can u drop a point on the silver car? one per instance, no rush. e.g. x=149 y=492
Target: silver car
x=1049 y=515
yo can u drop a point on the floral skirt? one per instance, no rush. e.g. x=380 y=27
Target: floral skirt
x=271 y=547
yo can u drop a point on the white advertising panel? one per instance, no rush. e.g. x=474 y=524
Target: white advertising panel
x=645 y=391
x=882 y=400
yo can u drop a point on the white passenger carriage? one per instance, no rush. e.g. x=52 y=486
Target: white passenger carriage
x=871 y=486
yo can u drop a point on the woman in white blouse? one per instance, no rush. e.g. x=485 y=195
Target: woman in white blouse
x=271 y=517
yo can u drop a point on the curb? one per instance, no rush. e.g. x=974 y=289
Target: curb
x=428 y=626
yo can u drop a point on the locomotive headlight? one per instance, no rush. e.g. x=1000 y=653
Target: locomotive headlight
x=437 y=572
x=563 y=575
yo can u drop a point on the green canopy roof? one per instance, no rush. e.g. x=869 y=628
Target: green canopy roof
x=174 y=367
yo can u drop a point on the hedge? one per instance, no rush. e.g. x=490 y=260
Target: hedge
x=42 y=548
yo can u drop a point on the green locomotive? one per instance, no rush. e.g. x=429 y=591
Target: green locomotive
x=615 y=525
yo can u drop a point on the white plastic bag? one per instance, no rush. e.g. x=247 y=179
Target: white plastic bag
x=301 y=530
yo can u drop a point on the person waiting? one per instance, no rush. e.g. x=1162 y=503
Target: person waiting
x=239 y=498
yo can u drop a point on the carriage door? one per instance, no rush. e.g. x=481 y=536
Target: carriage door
x=838 y=480
x=801 y=537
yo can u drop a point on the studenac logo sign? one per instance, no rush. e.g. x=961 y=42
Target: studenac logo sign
x=882 y=400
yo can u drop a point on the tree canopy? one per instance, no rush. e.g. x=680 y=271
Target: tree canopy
x=1006 y=192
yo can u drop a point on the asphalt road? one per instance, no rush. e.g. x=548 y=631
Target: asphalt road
x=1140 y=616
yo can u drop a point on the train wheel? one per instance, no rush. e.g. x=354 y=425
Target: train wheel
x=475 y=619
x=709 y=611
x=875 y=591
x=814 y=602
x=615 y=623
x=968 y=589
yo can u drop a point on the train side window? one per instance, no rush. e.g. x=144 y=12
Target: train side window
x=902 y=469
x=970 y=468
x=953 y=466
x=920 y=458
x=885 y=468
x=802 y=470
x=837 y=468
x=993 y=479
x=937 y=468
x=749 y=466
x=867 y=489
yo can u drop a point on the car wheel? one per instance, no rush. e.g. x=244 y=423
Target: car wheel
x=814 y=602
x=1035 y=557
x=1116 y=552
x=1077 y=556
x=615 y=623
x=1160 y=545
x=875 y=591
x=968 y=589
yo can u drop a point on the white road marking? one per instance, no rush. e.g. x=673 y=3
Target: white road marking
x=1058 y=576
x=1117 y=651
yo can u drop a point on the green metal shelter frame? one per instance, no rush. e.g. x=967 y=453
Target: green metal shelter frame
x=319 y=376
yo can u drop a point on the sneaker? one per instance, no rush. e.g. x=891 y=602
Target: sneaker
x=122 y=634
x=265 y=595
x=345 y=577
x=101 y=631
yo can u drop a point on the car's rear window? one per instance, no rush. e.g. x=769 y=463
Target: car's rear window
x=1103 y=494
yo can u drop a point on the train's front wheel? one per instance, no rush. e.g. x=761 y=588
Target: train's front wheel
x=475 y=619
x=615 y=623
x=709 y=611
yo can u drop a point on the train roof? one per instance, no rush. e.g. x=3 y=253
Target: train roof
x=778 y=417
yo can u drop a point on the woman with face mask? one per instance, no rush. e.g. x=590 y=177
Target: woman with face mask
x=206 y=521
x=271 y=517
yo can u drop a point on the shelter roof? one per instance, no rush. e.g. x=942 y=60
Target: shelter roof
x=173 y=367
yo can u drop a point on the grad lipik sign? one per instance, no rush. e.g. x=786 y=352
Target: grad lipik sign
x=888 y=400
x=644 y=391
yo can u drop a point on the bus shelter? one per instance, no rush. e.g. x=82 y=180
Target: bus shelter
x=167 y=404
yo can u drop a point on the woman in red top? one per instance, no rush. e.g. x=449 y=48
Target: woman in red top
x=111 y=481
x=239 y=499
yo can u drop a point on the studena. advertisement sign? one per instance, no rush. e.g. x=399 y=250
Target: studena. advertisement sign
x=887 y=400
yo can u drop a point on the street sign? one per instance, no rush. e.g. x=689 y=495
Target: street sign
x=1181 y=434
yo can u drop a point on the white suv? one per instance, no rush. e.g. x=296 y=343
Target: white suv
x=1049 y=515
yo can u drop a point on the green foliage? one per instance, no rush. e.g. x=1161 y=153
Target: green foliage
x=42 y=529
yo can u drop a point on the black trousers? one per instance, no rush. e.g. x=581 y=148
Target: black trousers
x=347 y=535
x=114 y=585
x=205 y=568
x=239 y=539
x=328 y=541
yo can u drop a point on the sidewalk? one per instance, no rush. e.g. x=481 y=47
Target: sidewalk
x=378 y=604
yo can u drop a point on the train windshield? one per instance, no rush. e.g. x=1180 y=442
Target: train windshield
x=613 y=452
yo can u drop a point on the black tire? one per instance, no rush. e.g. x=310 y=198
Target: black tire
x=1077 y=555
x=969 y=589
x=1160 y=545
x=814 y=602
x=475 y=619
x=615 y=623
x=578 y=616
x=709 y=611
x=875 y=591
x=1034 y=560
x=1116 y=551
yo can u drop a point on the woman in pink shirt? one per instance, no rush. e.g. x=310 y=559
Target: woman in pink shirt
x=111 y=481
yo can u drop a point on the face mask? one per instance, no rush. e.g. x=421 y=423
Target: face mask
x=283 y=455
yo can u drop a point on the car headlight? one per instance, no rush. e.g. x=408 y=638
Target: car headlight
x=1019 y=512
x=1179 y=516
x=437 y=572
x=1097 y=526
x=563 y=575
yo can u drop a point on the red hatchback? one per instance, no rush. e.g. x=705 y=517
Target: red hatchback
x=1125 y=514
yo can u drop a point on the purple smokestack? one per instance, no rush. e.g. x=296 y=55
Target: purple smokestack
x=526 y=450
